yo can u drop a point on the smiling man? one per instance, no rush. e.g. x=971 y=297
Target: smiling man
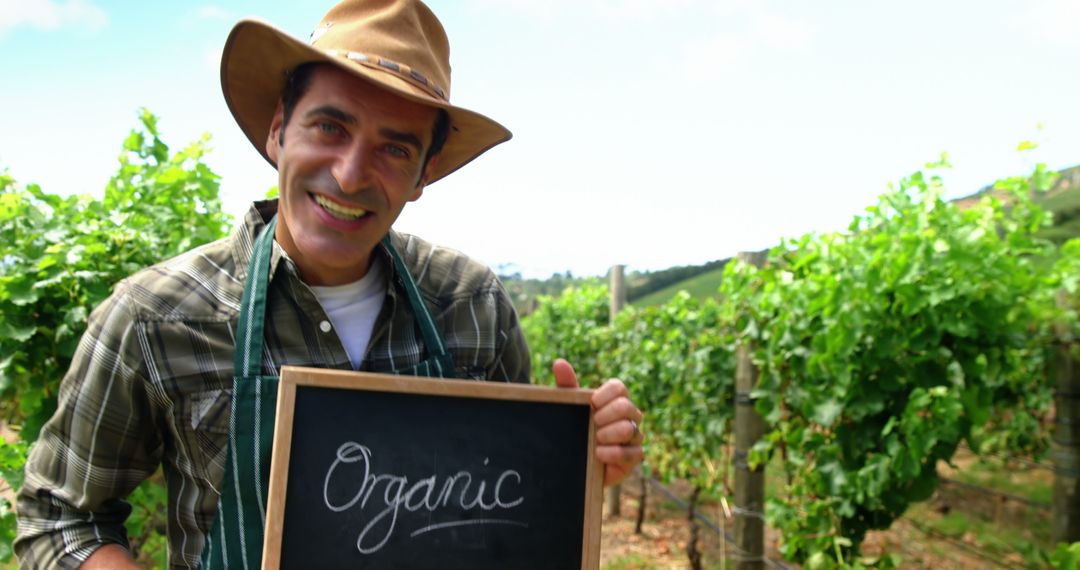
x=178 y=367
x=349 y=160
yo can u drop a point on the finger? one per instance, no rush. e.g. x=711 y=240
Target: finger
x=620 y=455
x=615 y=474
x=619 y=409
x=565 y=377
x=619 y=461
x=609 y=391
x=621 y=432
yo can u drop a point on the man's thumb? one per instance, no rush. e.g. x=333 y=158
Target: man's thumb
x=565 y=377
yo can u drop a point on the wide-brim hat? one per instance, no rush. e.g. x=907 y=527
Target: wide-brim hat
x=397 y=45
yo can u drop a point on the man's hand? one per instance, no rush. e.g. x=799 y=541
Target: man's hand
x=111 y=556
x=618 y=437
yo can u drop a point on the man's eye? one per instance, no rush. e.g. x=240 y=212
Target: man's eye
x=329 y=128
x=397 y=151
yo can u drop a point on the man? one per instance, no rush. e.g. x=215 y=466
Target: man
x=357 y=124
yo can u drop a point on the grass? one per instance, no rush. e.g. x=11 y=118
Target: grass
x=999 y=539
x=1001 y=527
x=630 y=562
x=1001 y=478
x=700 y=287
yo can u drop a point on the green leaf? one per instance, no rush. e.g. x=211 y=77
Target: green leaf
x=818 y=561
x=20 y=290
x=826 y=412
x=955 y=373
x=17 y=333
x=1066 y=556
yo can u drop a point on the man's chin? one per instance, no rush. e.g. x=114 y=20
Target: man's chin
x=333 y=264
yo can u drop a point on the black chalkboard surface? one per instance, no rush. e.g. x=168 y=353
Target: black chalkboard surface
x=382 y=471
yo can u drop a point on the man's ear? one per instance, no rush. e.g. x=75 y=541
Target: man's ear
x=429 y=170
x=273 y=138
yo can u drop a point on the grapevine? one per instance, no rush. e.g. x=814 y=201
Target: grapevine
x=60 y=257
x=882 y=348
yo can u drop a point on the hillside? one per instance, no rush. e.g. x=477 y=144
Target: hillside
x=699 y=286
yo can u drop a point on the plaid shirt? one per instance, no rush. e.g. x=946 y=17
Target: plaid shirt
x=151 y=382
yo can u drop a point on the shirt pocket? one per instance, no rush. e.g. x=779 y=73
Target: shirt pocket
x=209 y=412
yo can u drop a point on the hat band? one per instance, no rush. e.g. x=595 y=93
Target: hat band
x=386 y=65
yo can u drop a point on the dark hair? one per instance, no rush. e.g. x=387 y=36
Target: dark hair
x=296 y=84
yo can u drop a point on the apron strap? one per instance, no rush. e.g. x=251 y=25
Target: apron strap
x=249 y=326
x=440 y=359
x=235 y=539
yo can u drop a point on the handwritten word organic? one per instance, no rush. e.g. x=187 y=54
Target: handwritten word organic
x=460 y=492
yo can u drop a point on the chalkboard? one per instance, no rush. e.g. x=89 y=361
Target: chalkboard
x=383 y=471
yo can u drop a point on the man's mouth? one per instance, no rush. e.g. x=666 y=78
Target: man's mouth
x=338 y=211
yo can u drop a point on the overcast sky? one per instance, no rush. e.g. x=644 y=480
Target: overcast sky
x=647 y=132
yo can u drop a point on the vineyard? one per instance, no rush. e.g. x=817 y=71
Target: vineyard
x=59 y=258
x=876 y=355
x=895 y=371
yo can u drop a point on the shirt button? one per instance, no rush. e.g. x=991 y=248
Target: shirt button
x=324 y=326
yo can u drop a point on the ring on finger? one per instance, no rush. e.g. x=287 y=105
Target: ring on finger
x=634 y=425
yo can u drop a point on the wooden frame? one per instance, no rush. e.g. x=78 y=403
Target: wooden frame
x=293 y=377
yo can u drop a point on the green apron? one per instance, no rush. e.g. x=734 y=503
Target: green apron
x=236 y=539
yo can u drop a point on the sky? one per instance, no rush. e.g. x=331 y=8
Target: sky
x=649 y=133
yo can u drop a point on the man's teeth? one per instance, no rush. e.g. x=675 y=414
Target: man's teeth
x=339 y=211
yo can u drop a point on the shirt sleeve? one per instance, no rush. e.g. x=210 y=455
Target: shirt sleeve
x=512 y=361
x=99 y=445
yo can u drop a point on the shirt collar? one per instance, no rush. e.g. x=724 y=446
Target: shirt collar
x=244 y=234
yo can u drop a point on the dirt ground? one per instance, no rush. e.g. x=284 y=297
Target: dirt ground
x=662 y=544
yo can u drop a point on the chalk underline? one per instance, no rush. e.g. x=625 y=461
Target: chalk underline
x=470 y=522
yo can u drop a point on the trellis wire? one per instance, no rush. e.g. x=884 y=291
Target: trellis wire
x=729 y=540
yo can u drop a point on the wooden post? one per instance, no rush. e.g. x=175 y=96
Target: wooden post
x=618 y=290
x=1066 y=444
x=749 y=483
x=618 y=301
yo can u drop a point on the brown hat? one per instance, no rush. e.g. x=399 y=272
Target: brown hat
x=397 y=45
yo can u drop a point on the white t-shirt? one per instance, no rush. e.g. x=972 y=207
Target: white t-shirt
x=353 y=308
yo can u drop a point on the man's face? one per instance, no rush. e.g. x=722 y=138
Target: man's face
x=351 y=157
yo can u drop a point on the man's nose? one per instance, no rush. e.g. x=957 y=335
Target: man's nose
x=351 y=169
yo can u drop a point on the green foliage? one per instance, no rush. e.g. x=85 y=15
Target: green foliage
x=1065 y=277
x=571 y=326
x=526 y=292
x=1066 y=557
x=679 y=366
x=61 y=256
x=146 y=525
x=883 y=348
x=675 y=360
x=12 y=458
